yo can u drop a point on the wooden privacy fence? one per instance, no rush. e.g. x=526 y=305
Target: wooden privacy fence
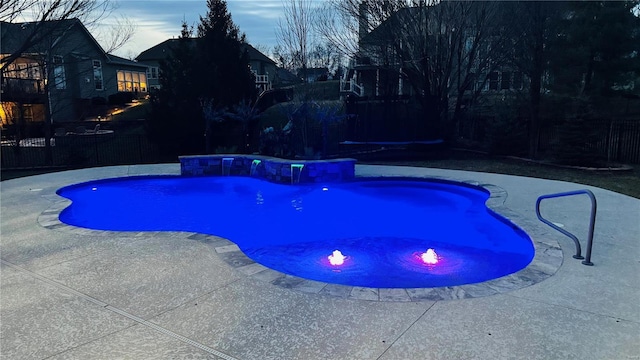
x=613 y=140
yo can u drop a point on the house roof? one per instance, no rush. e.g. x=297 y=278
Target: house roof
x=160 y=51
x=163 y=49
x=255 y=54
x=408 y=15
x=286 y=76
x=314 y=71
x=14 y=35
x=122 y=61
x=390 y=25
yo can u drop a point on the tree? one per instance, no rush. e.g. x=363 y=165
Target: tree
x=440 y=48
x=246 y=114
x=344 y=23
x=176 y=118
x=226 y=77
x=295 y=33
x=202 y=77
x=11 y=9
x=324 y=55
x=532 y=25
x=338 y=24
x=593 y=48
x=592 y=59
x=575 y=50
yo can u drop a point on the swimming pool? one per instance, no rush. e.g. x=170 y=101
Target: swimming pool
x=383 y=226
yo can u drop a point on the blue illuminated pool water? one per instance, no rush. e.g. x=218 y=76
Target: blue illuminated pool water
x=382 y=226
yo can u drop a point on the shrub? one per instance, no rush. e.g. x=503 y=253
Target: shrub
x=98 y=101
x=121 y=98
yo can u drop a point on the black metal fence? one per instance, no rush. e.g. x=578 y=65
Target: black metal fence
x=77 y=151
x=613 y=140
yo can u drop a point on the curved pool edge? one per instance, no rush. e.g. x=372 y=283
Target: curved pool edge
x=547 y=259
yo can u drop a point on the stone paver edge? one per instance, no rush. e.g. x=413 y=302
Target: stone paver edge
x=547 y=260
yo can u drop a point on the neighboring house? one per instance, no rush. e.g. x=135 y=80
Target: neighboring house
x=152 y=58
x=376 y=70
x=263 y=68
x=285 y=78
x=66 y=69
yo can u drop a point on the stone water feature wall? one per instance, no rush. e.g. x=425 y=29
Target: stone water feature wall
x=276 y=170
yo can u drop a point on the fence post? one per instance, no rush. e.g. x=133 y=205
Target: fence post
x=620 y=138
x=608 y=143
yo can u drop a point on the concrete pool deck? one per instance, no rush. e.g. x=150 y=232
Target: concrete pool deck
x=70 y=293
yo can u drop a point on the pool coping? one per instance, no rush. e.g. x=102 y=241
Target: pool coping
x=547 y=259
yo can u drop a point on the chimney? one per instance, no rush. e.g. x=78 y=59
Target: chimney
x=363 y=20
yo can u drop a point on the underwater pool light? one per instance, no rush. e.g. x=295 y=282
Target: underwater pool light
x=430 y=257
x=336 y=258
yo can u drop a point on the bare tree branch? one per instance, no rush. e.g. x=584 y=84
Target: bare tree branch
x=294 y=32
x=442 y=49
x=11 y=9
x=117 y=35
x=39 y=13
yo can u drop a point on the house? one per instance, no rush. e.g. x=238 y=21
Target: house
x=424 y=64
x=378 y=70
x=58 y=70
x=263 y=68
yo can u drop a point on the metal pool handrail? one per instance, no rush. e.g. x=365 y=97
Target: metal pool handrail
x=594 y=207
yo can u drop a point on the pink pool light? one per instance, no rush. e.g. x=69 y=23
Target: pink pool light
x=430 y=257
x=336 y=258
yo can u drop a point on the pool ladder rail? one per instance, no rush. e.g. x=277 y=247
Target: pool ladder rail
x=594 y=207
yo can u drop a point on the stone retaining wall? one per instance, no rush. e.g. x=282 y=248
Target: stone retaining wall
x=276 y=170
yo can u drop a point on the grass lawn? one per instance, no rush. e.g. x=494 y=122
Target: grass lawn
x=624 y=182
x=138 y=111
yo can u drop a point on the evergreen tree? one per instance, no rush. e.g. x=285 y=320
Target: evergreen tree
x=176 y=122
x=572 y=51
x=224 y=66
x=210 y=69
x=594 y=48
x=594 y=53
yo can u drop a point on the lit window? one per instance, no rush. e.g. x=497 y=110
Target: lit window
x=132 y=81
x=97 y=74
x=143 y=82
